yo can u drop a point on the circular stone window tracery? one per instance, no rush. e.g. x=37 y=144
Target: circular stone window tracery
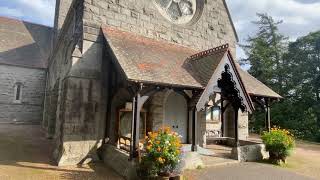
x=180 y=11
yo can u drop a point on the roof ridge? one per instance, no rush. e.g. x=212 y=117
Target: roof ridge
x=209 y=52
x=24 y=21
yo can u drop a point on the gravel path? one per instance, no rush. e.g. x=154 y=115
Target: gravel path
x=244 y=171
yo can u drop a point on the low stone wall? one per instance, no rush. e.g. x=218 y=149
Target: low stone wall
x=246 y=152
x=250 y=152
x=118 y=160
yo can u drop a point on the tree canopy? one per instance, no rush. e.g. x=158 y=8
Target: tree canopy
x=293 y=70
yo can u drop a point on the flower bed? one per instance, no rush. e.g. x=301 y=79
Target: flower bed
x=162 y=154
x=279 y=143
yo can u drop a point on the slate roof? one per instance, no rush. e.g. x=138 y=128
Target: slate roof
x=203 y=64
x=147 y=60
x=23 y=43
x=256 y=87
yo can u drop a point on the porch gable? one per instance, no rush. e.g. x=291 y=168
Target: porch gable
x=213 y=86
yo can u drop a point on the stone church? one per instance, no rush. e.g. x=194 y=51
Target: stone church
x=110 y=71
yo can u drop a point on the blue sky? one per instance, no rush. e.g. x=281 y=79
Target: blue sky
x=38 y=11
x=300 y=16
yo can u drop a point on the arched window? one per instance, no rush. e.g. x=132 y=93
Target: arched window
x=17 y=93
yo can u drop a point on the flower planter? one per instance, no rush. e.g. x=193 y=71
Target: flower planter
x=276 y=158
x=162 y=155
x=177 y=177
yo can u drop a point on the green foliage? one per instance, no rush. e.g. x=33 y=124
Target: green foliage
x=279 y=143
x=264 y=52
x=162 y=153
x=292 y=70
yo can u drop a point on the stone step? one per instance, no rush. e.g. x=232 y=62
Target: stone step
x=210 y=161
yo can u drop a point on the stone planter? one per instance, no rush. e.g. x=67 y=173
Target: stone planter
x=156 y=178
x=275 y=158
x=176 y=177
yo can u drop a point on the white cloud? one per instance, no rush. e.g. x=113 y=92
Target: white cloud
x=299 y=16
x=39 y=11
x=11 y=12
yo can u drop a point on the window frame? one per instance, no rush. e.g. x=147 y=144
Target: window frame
x=17 y=89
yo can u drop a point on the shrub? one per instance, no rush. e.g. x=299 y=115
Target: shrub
x=317 y=138
x=162 y=153
x=279 y=143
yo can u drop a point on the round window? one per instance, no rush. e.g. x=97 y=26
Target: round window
x=180 y=11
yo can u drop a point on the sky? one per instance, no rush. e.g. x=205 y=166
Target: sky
x=299 y=16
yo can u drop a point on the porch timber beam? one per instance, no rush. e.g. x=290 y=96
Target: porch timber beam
x=142 y=95
x=183 y=93
x=133 y=128
x=259 y=101
x=194 y=132
x=222 y=116
x=236 y=126
x=265 y=104
x=268 y=115
x=150 y=91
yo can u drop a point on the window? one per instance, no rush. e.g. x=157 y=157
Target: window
x=213 y=113
x=17 y=93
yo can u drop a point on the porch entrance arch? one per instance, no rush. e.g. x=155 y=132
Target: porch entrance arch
x=175 y=114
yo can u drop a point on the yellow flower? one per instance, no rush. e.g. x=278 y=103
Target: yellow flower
x=159 y=149
x=167 y=129
x=161 y=160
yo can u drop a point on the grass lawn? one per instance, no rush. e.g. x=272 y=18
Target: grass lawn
x=305 y=159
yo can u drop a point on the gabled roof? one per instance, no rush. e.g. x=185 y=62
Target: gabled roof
x=226 y=60
x=147 y=60
x=256 y=87
x=203 y=64
x=23 y=43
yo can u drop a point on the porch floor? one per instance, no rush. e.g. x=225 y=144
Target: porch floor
x=221 y=156
x=214 y=155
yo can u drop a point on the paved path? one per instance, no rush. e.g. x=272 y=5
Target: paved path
x=244 y=171
x=25 y=154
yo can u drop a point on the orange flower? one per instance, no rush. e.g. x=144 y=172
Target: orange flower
x=167 y=129
x=159 y=149
x=161 y=160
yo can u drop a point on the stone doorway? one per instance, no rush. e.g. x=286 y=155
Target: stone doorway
x=175 y=114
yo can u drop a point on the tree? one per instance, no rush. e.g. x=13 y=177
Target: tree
x=292 y=70
x=304 y=54
x=264 y=53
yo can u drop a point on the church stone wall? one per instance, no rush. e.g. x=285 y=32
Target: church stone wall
x=33 y=85
x=243 y=124
x=61 y=11
x=77 y=63
x=75 y=102
x=142 y=17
